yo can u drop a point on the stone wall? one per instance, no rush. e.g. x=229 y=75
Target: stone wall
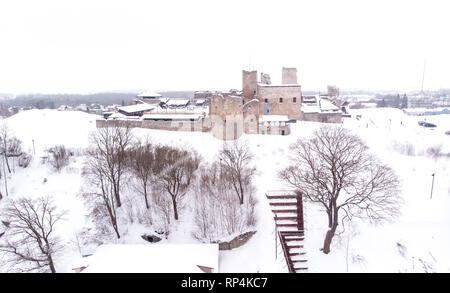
x=287 y=107
x=323 y=117
x=238 y=241
x=251 y=117
x=289 y=75
x=249 y=81
x=198 y=126
x=275 y=129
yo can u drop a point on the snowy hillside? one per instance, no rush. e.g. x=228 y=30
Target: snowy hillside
x=417 y=242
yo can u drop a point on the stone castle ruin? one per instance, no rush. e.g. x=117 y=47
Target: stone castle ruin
x=260 y=108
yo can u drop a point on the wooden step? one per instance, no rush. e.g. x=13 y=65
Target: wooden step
x=283 y=203
x=294 y=246
x=292 y=233
x=281 y=196
x=294 y=239
x=296 y=253
x=287 y=225
x=285 y=218
x=302 y=269
x=298 y=260
x=284 y=211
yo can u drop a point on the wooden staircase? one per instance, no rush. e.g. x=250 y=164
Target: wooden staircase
x=287 y=207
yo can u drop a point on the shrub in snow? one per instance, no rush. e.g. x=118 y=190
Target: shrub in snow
x=59 y=157
x=434 y=151
x=217 y=212
x=24 y=160
x=404 y=148
x=10 y=146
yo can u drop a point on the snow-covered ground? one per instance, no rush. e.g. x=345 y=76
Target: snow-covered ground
x=417 y=241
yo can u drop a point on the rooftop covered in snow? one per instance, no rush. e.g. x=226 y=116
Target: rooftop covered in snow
x=171 y=116
x=153 y=258
x=137 y=108
x=177 y=102
x=272 y=118
x=149 y=94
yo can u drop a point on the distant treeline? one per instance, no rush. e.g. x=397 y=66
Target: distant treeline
x=53 y=101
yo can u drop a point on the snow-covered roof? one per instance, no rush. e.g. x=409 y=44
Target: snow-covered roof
x=153 y=258
x=171 y=116
x=137 y=108
x=149 y=94
x=163 y=100
x=178 y=102
x=271 y=118
x=200 y=101
x=326 y=106
x=306 y=108
x=116 y=115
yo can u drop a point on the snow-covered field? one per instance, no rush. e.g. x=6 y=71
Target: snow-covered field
x=417 y=241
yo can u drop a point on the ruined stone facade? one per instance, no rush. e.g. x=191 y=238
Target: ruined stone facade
x=289 y=75
x=226 y=116
x=280 y=100
x=249 y=81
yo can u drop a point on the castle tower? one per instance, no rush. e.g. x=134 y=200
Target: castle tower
x=289 y=75
x=249 y=80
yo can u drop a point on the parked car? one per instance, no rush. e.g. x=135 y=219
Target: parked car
x=431 y=125
x=448 y=132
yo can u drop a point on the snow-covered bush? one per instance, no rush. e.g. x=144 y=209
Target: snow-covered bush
x=24 y=160
x=59 y=157
x=404 y=148
x=434 y=151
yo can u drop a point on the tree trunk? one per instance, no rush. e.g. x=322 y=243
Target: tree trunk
x=50 y=263
x=241 y=199
x=332 y=230
x=117 y=195
x=175 y=211
x=116 y=229
x=329 y=238
x=145 y=197
x=7 y=164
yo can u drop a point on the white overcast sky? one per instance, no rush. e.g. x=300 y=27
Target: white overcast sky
x=86 y=46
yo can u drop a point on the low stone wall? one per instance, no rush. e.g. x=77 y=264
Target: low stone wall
x=198 y=126
x=237 y=241
x=323 y=117
x=275 y=130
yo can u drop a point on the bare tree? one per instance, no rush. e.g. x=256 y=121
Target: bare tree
x=59 y=157
x=30 y=242
x=334 y=169
x=178 y=174
x=101 y=196
x=217 y=212
x=5 y=134
x=141 y=163
x=236 y=161
x=112 y=143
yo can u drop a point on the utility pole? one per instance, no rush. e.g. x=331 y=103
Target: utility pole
x=432 y=184
x=423 y=74
x=34 y=149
